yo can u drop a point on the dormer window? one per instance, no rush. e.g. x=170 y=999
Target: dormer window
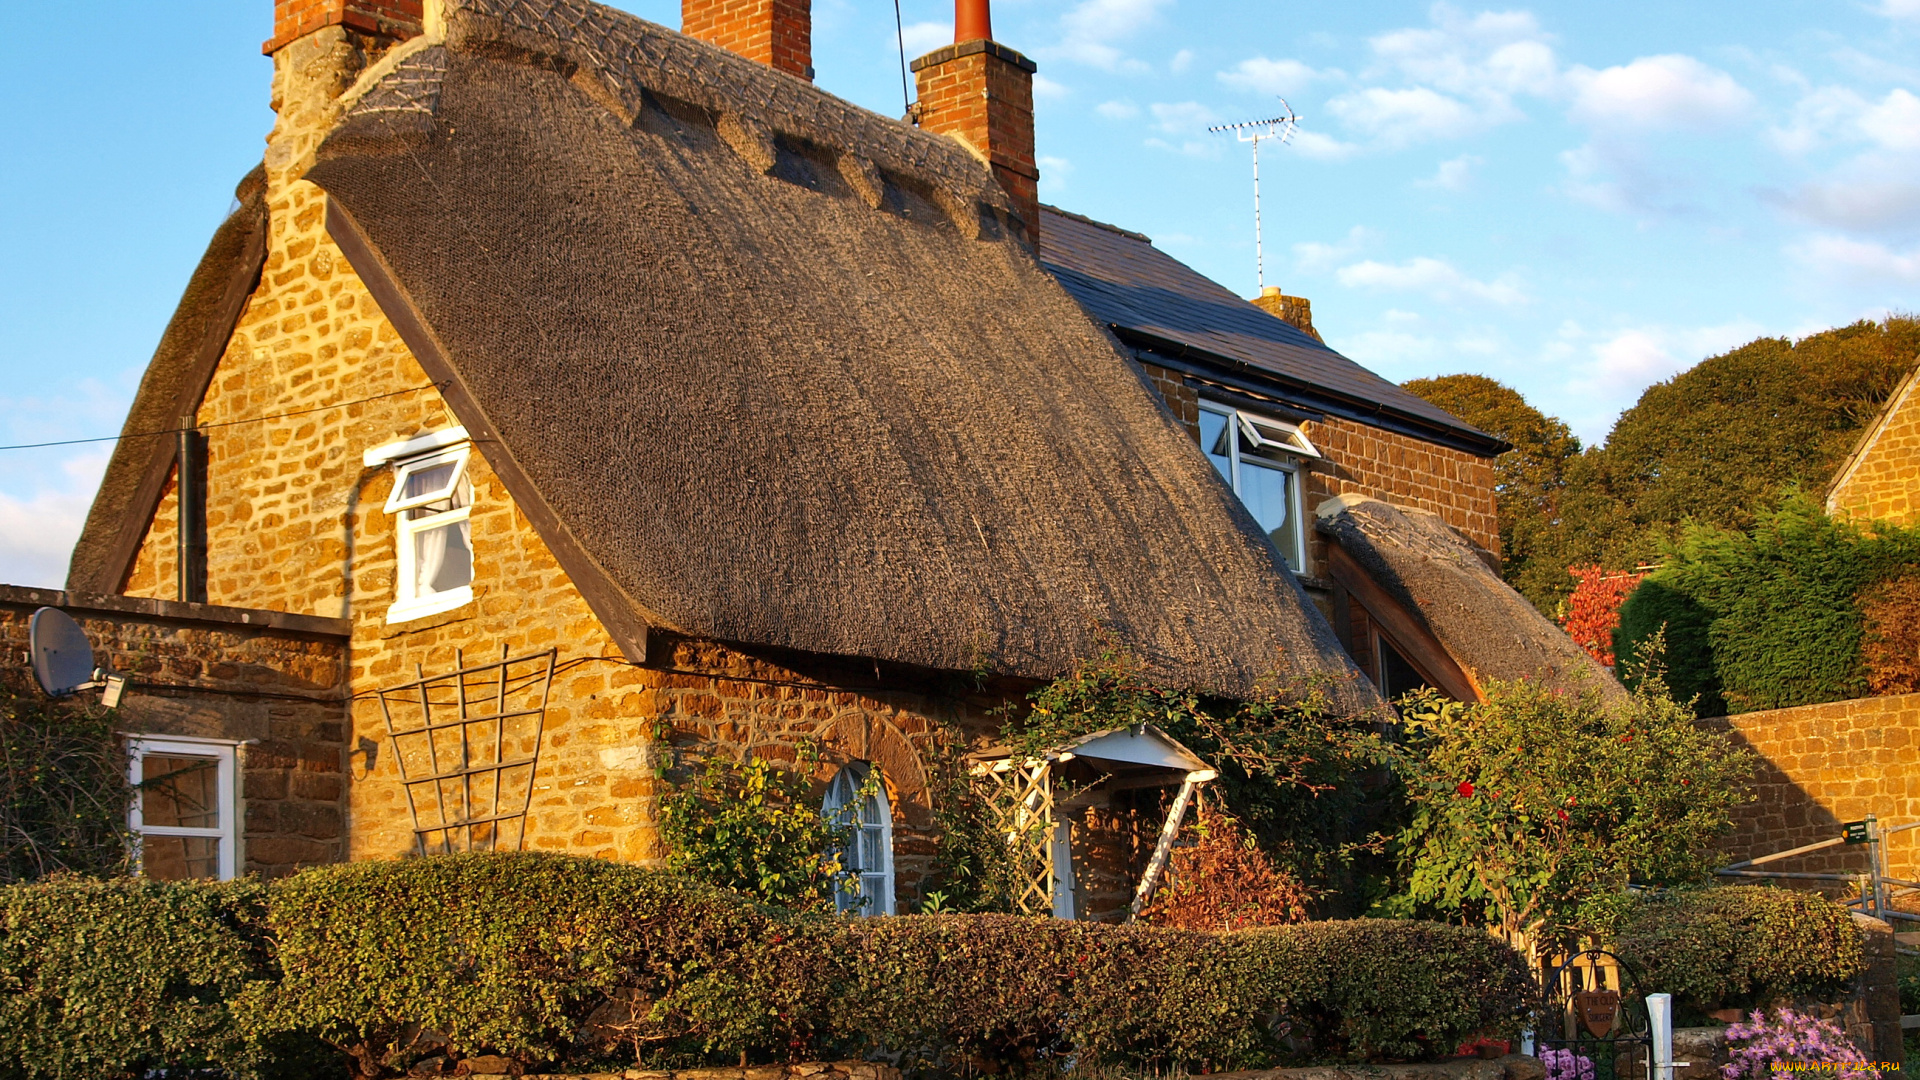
x=1263 y=460
x=433 y=539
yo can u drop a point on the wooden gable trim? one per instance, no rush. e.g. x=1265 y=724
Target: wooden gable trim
x=610 y=604
x=1406 y=629
x=110 y=574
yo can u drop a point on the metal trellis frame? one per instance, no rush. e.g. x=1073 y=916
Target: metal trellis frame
x=468 y=744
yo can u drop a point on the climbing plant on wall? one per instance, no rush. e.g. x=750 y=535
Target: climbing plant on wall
x=63 y=790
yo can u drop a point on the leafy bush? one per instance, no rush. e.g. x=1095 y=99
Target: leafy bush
x=1891 y=610
x=1531 y=804
x=1593 y=609
x=63 y=790
x=753 y=826
x=1741 y=946
x=1785 y=624
x=1658 y=614
x=1223 y=881
x=117 y=978
x=576 y=962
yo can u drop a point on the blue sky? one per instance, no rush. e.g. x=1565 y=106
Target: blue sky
x=1576 y=199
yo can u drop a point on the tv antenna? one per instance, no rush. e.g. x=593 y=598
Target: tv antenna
x=63 y=659
x=1254 y=131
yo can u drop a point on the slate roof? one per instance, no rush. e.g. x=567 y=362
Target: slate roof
x=1156 y=302
x=768 y=369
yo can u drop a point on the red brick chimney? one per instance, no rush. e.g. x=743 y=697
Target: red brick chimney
x=777 y=33
x=981 y=92
x=400 y=19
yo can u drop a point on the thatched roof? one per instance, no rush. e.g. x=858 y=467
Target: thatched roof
x=1172 y=311
x=768 y=369
x=1490 y=630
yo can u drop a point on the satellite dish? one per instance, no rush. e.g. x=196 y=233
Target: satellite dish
x=63 y=658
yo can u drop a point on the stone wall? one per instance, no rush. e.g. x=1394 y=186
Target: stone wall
x=275 y=682
x=1822 y=765
x=1881 y=482
x=1362 y=459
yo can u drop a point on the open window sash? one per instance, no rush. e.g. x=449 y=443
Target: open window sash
x=428 y=480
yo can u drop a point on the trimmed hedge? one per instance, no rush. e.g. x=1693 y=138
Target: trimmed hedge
x=576 y=962
x=117 y=978
x=1742 y=946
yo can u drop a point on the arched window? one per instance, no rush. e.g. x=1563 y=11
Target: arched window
x=852 y=799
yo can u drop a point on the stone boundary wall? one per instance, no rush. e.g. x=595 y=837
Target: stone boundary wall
x=813 y=1070
x=273 y=681
x=1827 y=764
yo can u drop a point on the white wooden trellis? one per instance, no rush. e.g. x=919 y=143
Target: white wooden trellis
x=468 y=744
x=1024 y=798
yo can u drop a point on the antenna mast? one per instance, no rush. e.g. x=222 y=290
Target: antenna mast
x=1253 y=131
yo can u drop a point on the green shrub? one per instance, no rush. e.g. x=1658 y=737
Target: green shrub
x=115 y=978
x=577 y=963
x=1782 y=601
x=63 y=789
x=1741 y=946
x=1658 y=612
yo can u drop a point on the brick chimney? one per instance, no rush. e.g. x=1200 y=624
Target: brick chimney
x=777 y=33
x=1297 y=310
x=981 y=92
x=398 y=19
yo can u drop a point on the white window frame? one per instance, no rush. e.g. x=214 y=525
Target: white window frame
x=842 y=791
x=227 y=753
x=1266 y=432
x=407 y=606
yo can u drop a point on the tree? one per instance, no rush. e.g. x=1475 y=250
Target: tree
x=1720 y=441
x=1532 y=804
x=1528 y=480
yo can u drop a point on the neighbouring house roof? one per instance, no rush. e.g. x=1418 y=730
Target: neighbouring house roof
x=768 y=369
x=1492 y=632
x=1158 y=303
x=1869 y=440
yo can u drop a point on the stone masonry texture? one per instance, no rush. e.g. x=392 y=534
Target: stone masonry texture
x=1365 y=460
x=276 y=685
x=1884 y=483
x=295 y=523
x=1822 y=765
x=986 y=101
x=293 y=19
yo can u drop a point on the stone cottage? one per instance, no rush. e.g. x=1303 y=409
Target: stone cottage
x=620 y=396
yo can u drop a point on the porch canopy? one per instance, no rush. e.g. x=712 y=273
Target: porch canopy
x=1026 y=794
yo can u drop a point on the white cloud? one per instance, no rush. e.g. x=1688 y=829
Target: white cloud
x=1053 y=173
x=1672 y=91
x=1621 y=177
x=1319 y=146
x=1817 y=118
x=1314 y=257
x=1490 y=55
x=923 y=37
x=1435 y=277
x=38 y=531
x=1181 y=61
x=1117 y=110
x=1092 y=29
x=1452 y=175
x=1278 y=77
x=1622 y=363
x=1900 y=9
x=1870 y=193
x=1182 y=117
x=1894 y=122
x=1856 y=260
x=1048 y=90
x=1402 y=117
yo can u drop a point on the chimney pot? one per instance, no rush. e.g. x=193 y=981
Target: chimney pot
x=972 y=21
x=777 y=33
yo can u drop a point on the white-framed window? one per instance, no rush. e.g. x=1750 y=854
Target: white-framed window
x=184 y=815
x=1264 y=460
x=857 y=797
x=433 y=538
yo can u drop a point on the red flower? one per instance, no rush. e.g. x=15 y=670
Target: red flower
x=1683 y=782
x=1562 y=813
x=1465 y=788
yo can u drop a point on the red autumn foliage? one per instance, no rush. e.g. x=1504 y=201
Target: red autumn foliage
x=1891 y=647
x=1223 y=881
x=1593 y=611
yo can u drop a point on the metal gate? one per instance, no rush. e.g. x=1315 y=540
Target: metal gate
x=1601 y=1013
